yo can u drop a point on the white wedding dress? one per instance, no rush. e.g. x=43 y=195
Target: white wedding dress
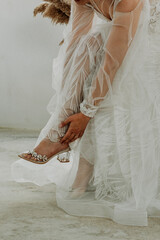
x=107 y=68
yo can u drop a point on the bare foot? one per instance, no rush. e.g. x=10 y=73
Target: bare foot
x=46 y=147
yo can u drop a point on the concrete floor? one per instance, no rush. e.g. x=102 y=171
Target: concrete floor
x=28 y=211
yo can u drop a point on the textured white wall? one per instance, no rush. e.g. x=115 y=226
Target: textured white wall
x=27 y=47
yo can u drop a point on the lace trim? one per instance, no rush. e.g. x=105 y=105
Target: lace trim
x=87 y=109
x=113 y=190
x=155 y=15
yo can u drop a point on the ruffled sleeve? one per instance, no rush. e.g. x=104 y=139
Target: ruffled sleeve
x=126 y=15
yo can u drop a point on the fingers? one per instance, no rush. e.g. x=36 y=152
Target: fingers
x=75 y=137
x=68 y=120
x=66 y=136
x=70 y=138
x=81 y=134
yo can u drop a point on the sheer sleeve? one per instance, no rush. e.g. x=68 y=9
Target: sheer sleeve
x=125 y=21
x=81 y=22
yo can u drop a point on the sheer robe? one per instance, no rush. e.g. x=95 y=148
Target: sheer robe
x=107 y=68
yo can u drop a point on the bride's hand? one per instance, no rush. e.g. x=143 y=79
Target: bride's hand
x=77 y=125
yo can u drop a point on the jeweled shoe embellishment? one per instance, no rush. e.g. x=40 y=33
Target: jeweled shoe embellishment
x=38 y=156
x=42 y=159
x=63 y=159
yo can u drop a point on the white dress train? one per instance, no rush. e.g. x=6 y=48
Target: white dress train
x=107 y=68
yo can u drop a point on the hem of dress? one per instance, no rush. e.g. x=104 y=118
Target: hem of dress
x=99 y=208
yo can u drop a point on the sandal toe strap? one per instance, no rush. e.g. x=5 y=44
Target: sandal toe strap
x=38 y=156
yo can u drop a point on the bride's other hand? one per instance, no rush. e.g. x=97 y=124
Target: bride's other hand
x=77 y=125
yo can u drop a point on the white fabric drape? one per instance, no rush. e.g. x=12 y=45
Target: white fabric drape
x=107 y=68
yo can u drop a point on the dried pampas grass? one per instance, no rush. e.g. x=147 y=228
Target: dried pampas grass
x=57 y=10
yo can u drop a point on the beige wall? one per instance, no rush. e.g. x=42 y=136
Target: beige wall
x=27 y=47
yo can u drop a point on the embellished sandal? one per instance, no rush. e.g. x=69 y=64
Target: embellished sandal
x=42 y=159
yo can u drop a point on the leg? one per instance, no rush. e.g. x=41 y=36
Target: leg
x=84 y=174
x=79 y=63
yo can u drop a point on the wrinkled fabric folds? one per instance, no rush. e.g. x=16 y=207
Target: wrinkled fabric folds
x=107 y=68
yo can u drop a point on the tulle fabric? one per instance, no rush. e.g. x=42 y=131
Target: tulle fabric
x=107 y=68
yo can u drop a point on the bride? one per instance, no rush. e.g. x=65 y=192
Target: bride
x=105 y=113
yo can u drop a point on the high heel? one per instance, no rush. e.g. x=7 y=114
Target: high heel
x=64 y=159
x=42 y=159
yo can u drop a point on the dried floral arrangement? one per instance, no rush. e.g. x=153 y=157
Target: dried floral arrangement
x=57 y=10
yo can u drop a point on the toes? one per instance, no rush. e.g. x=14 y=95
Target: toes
x=34 y=159
x=25 y=155
x=28 y=156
